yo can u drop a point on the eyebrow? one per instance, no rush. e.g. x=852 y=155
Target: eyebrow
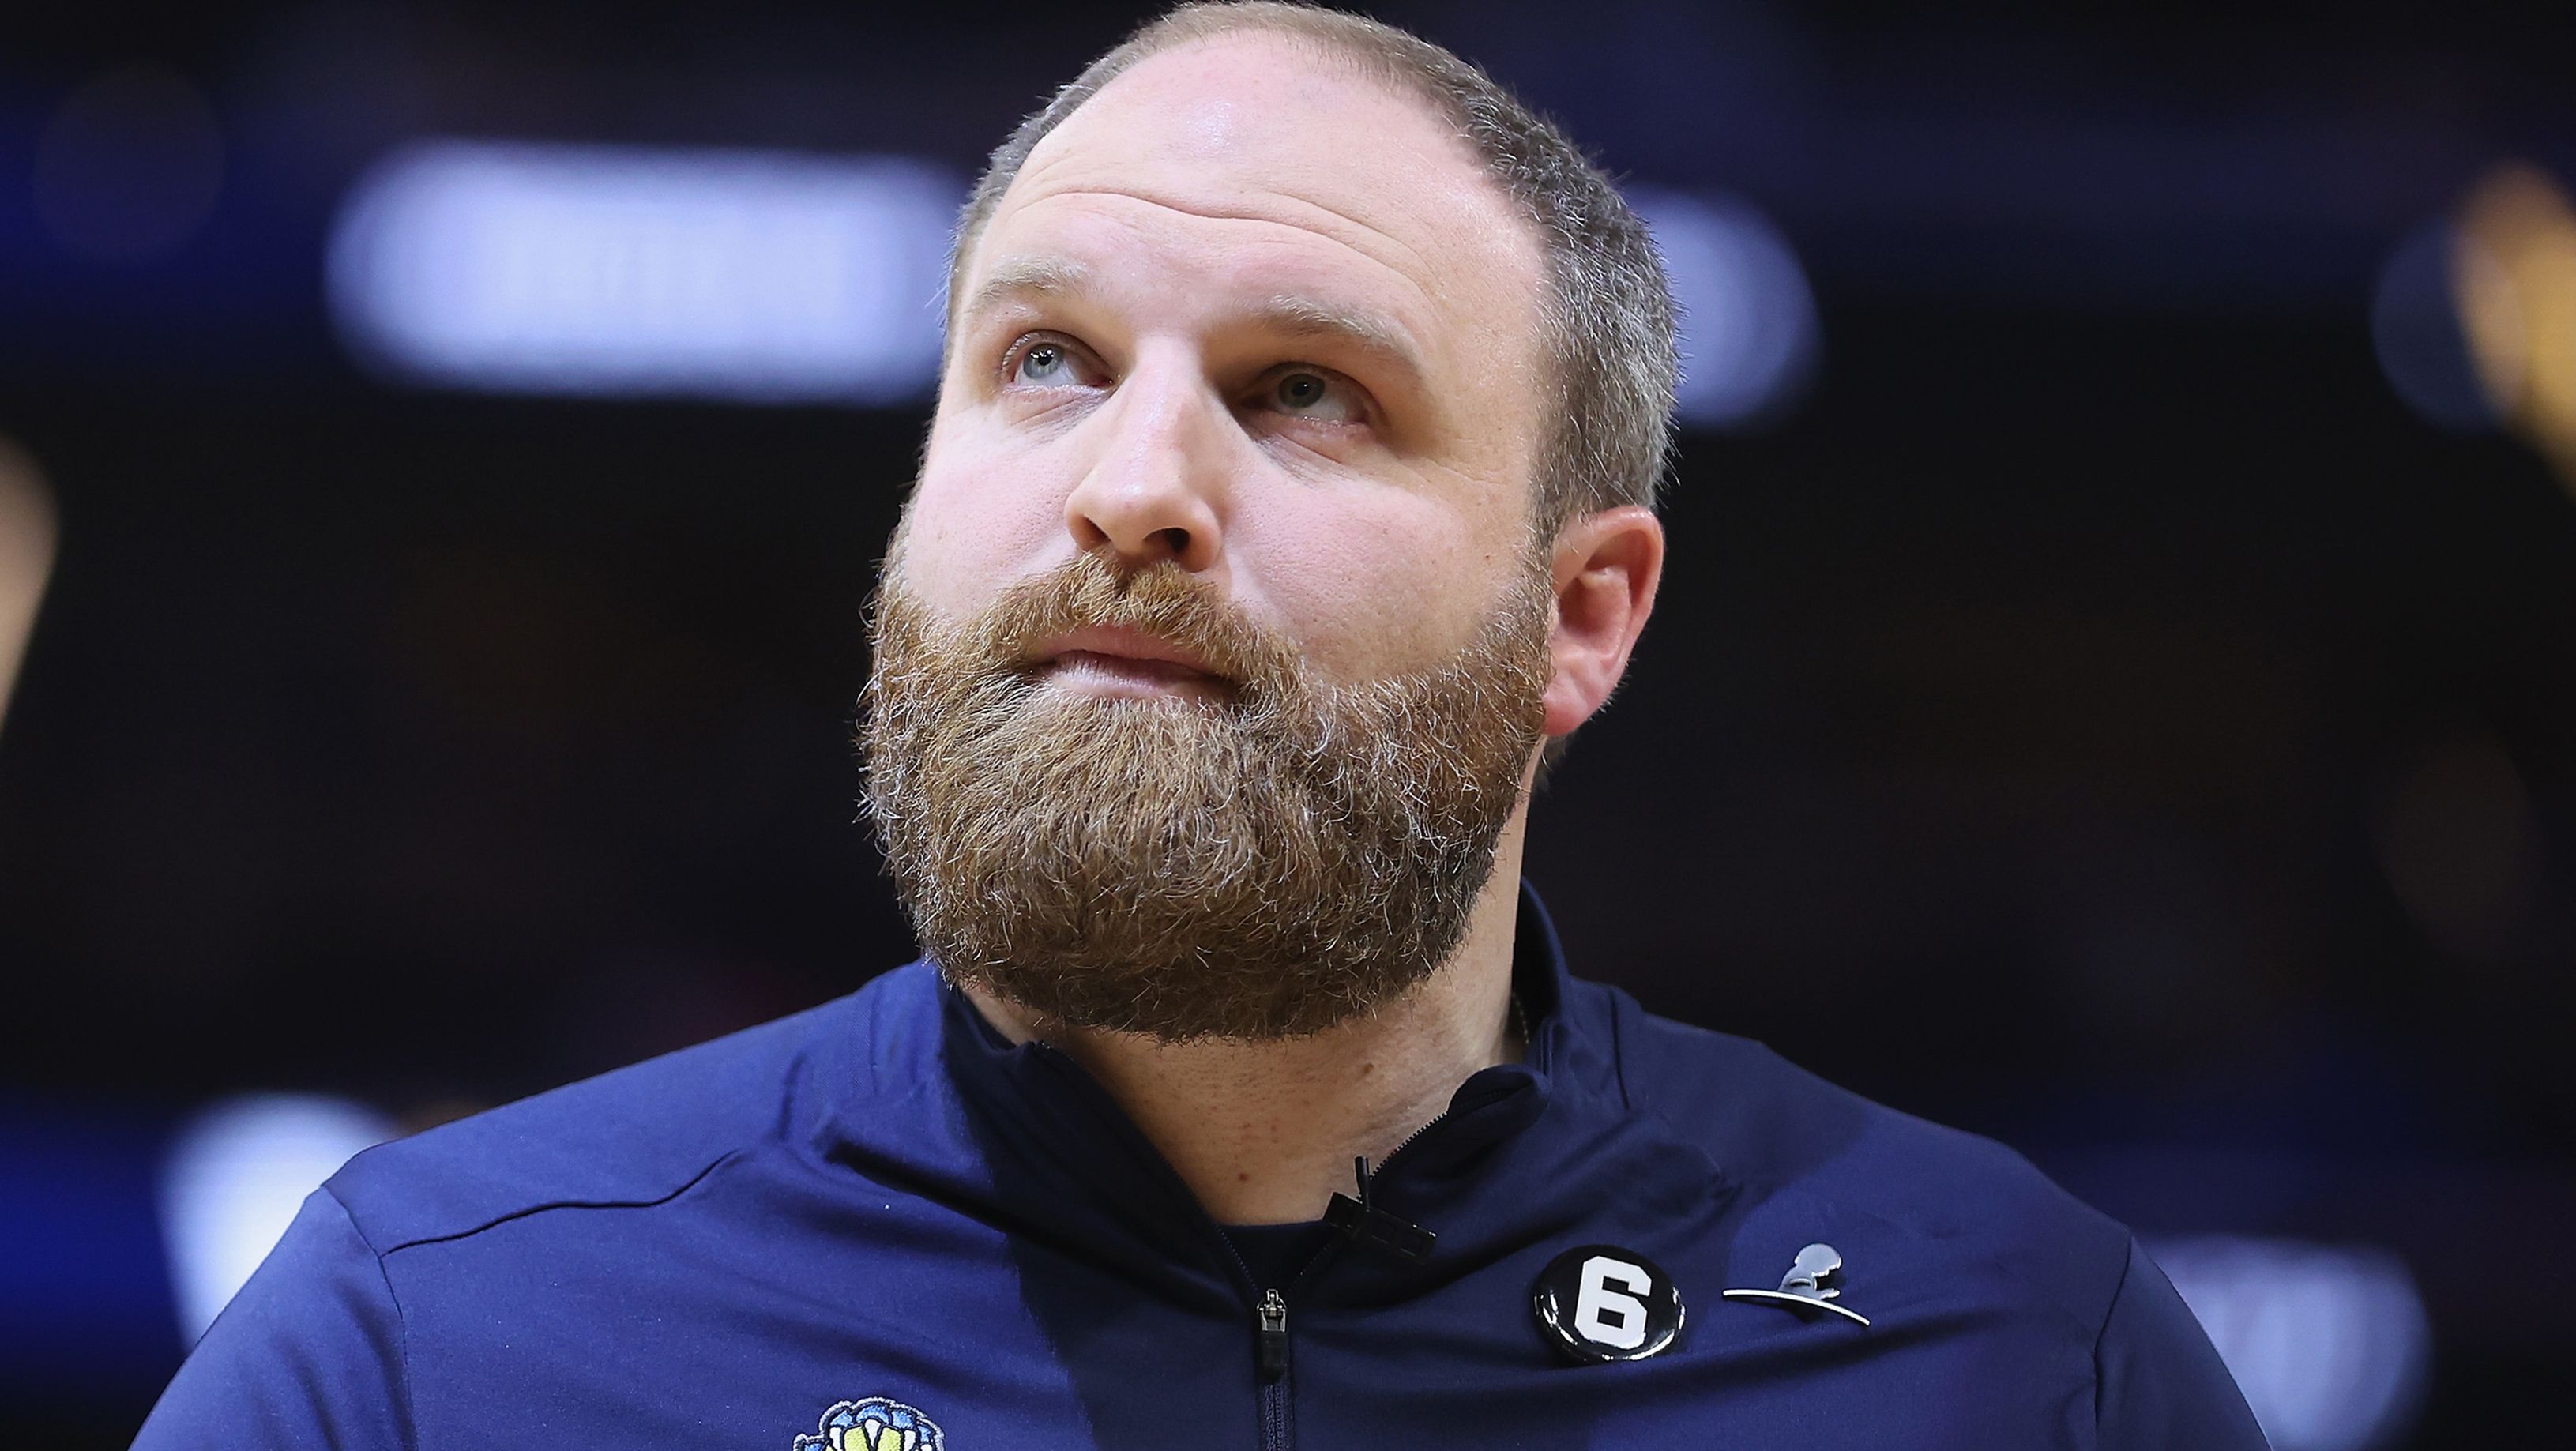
x=1287 y=315
x=1019 y=276
x=1302 y=317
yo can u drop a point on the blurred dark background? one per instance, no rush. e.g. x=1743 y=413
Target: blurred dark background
x=2113 y=690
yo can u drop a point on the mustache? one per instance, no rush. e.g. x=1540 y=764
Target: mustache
x=1160 y=599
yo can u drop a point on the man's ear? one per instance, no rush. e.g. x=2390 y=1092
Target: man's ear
x=1605 y=569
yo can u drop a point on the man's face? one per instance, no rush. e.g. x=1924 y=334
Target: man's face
x=1281 y=310
x=1208 y=667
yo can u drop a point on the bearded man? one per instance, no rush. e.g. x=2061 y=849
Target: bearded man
x=1289 y=491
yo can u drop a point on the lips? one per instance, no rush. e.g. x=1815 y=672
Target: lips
x=1115 y=661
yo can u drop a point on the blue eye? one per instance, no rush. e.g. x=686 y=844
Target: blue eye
x=1044 y=362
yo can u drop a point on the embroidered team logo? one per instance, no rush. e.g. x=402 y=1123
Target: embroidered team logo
x=875 y=1424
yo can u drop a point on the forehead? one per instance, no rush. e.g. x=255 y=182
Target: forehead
x=1277 y=166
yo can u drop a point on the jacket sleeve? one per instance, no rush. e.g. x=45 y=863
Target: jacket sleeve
x=2161 y=1385
x=309 y=1354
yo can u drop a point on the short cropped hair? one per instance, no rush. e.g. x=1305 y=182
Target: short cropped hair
x=1606 y=322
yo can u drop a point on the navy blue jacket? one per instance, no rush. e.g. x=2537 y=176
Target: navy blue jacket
x=877 y=1226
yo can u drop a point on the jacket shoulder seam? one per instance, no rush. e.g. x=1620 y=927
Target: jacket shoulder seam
x=1619 y=1060
x=2128 y=1265
x=402 y=1325
x=543 y=1206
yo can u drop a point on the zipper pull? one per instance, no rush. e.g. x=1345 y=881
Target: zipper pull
x=1274 y=1336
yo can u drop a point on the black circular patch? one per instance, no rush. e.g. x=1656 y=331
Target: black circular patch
x=1601 y=1303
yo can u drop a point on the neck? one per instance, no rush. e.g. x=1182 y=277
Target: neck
x=1264 y=1133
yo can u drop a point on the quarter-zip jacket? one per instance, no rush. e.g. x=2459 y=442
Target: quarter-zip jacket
x=878 y=1220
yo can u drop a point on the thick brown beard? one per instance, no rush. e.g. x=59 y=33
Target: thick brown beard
x=1265 y=866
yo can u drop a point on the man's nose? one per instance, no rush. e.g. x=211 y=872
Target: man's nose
x=1157 y=490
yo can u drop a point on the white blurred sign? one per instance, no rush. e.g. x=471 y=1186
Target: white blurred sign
x=738 y=275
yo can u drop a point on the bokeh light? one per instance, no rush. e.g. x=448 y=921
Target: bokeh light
x=2330 y=1344
x=26 y=559
x=1749 y=336
x=746 y=276
x=2520 y=306
x=231 y=1183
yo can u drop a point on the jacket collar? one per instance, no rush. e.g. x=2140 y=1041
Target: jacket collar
x=1028 y=1140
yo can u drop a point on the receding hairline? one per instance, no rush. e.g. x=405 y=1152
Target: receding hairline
x=1314 y=34
x=1604 y=302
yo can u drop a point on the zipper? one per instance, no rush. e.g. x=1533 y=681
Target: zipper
x=1271 y=1343
x=1271 y=1359
x=1277 y=1430
x=1419 y=1134
x=1278 y=1424
x=1410 y=1140
x=1274 y=1336
x=1271 y=1356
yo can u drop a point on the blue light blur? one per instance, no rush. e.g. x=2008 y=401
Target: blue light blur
x=1749 y=338
x=2417 y=331
x=232 y=1181
x=738 y=275
x=2330 y=1344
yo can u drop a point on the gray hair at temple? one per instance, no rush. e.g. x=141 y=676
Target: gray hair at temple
x=1607 y=320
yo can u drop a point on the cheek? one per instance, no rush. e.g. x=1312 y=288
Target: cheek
x=981 y=518
x=1371 y=594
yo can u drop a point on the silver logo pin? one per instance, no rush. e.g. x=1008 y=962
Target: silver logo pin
x=1811 y=1284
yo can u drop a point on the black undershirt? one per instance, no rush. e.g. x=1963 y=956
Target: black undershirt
x=1276 y=1252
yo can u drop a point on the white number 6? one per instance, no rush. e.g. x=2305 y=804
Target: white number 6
x=1595 y=1303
